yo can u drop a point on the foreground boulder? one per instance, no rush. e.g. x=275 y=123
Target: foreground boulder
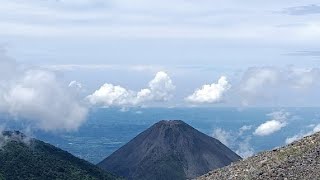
x=169 y=150
x=299 y=160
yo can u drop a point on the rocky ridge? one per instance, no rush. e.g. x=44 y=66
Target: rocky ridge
x=298 y=160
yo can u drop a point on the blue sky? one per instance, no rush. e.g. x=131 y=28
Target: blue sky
x=268 y=51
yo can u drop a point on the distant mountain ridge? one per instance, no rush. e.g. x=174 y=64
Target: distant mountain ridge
x=299 y=160
x=169 y=150
x=24 y=158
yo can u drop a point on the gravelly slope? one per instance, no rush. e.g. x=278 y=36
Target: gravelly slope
x=299 y=160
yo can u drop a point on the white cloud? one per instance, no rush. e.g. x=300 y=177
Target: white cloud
x=303 y=78
x=223 y=136
x=256 y=86
x=37 y=96
x=210 y=93
x=301 y=135
x=245 y=149
x=275 y=85
x=109 y=95
x=295 y=138
x=271 y=126
x=279 y=115
x=235 y=140
x=160 y=89
x=244 y=129
x=255 y=79
x=4 y=138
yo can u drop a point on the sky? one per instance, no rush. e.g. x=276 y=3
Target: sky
x=177 y=53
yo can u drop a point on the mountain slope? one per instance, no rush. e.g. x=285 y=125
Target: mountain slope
x=299 y=160
x=23 y=158
x=168 y=150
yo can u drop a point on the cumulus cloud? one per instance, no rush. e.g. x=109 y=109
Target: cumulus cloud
x=210 y=93
x=108 y=95
x=277 y=122
x=38 y=97
x=159 y=89
x=269 y=127
x=255 y=79
x=303 y=78
x=316 y=128
x=237 y=141
x=276 y=85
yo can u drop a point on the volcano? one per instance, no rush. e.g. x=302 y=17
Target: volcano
x=169 y=150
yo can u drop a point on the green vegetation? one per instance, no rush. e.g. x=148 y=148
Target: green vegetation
x=1 y=177
x=39 y=160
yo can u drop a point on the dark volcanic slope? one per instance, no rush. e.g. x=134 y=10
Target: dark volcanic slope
x=169 y=150
x=22 y=158
x=299 y=160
